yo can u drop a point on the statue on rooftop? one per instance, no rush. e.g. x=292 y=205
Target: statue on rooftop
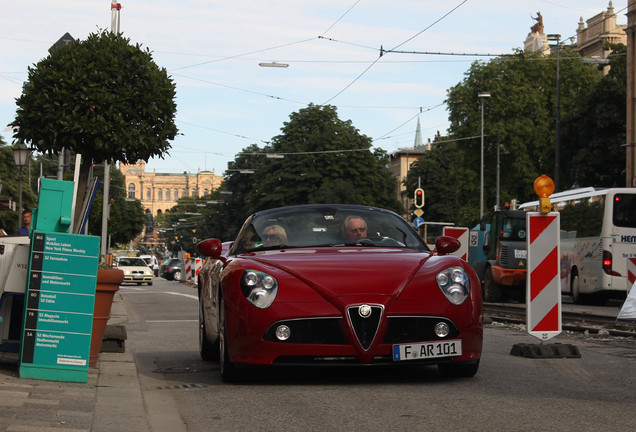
x=538 y=26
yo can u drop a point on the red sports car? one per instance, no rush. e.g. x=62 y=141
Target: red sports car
x=337 y=284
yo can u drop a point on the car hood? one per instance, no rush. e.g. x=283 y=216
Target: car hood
x=346 y=271
x=134 y=268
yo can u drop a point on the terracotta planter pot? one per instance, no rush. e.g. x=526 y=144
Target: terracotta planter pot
x=108 y=281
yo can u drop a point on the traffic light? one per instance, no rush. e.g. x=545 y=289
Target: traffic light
x=418 y=198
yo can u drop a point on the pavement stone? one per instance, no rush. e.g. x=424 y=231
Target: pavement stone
x=110 y=400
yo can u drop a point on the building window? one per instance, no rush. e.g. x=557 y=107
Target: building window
x=194 y=192
x=131 y=190
x=183 y=193
x=176 y=194
x=160 y=195
x=206 y=192
x=148 y=195
x=167 y=194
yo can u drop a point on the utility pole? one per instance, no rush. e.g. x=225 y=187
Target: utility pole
x=630 y=144
x=114 y=28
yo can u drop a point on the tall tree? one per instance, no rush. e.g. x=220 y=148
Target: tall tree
x=519 y=118
x=594 y=129
x=102 y=98
x=324 y=160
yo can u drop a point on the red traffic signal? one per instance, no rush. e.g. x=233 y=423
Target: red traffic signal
x=418 y=198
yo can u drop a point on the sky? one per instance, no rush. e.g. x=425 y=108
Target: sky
x=226 y=102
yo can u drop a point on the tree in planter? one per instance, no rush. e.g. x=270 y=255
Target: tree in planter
x=102 y=98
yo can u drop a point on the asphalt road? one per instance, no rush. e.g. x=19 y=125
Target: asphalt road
x=181 y=393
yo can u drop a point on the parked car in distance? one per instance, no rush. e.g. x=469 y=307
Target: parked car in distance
x=135 y=270
x=152 y=262
x=337 y=284
x=171 y=269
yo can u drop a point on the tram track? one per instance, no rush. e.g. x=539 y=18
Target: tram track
x=579 y=322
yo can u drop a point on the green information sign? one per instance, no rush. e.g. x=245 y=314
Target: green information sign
x=60 y=298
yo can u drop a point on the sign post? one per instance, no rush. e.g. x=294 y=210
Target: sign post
x=543 y=283
x=543 y=290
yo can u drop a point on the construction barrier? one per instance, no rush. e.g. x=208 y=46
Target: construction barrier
x=543 y=289
x=187 y=263
x=198 y=263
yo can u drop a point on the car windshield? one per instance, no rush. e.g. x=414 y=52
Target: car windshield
x=132 y=262
x=325 y=226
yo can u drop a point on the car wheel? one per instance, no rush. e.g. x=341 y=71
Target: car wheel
x=139 y=283
x=177 y=275
x=208 y=351
x=149 y=283
x=228 y=370
x=458 y=370
x=492 y=290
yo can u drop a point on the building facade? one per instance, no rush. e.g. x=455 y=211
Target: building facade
x=159 y=192
x=601 y=29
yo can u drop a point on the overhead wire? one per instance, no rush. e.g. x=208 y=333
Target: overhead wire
x=397 y=46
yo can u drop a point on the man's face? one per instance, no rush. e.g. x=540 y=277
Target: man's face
x=355 y=230
x=26 y=218
x=271 y=238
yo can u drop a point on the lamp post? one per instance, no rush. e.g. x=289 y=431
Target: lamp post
x=20 y=155
x=482 y=97
x=557 y=126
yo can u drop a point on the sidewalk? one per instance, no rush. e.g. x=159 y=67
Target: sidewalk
x=111 y=400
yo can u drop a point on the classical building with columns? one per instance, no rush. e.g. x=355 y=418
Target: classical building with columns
x=159 y=192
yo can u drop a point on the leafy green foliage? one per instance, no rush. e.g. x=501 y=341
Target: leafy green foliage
x=10 y=185
x=326 y=160
x=519 y=117
x=102 y=98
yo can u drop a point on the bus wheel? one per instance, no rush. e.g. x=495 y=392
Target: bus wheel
x=492 y=290
x=574 y=288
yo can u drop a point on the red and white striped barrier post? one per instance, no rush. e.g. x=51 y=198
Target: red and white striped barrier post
x=631 y=272
x=543 y=289
x=461 y=234
x=188 y=269
x=198 y=263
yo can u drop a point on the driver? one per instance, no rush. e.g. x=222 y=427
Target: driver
x=354 y=228
x=274 y=235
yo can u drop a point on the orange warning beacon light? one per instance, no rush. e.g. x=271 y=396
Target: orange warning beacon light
x=544 y=187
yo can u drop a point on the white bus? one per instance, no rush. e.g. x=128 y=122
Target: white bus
x=598 y=237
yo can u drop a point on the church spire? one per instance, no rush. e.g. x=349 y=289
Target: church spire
x=418 y=135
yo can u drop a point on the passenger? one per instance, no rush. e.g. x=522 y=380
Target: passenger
x=274 y=235
x=354 y=228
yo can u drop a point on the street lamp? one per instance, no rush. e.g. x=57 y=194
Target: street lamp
x=20 y=155
x=557 y=140
x=482 y=97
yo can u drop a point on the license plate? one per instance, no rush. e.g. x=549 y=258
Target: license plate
x=427 y=350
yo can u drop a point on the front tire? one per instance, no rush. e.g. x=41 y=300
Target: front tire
x=177 y=275
x=492 y=290
x=229 y=373
x=208 y=351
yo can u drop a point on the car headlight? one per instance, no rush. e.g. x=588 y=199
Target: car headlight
x=454 y=283
x=259 y=288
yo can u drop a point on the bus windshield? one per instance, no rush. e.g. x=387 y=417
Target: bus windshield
x=624 y=214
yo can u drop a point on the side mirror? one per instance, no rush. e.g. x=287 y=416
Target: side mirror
x=445 y=245
x=210 y=247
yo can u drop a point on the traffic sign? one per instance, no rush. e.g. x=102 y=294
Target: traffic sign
x=461 y=234
x=417 y=222
x=418 y=212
